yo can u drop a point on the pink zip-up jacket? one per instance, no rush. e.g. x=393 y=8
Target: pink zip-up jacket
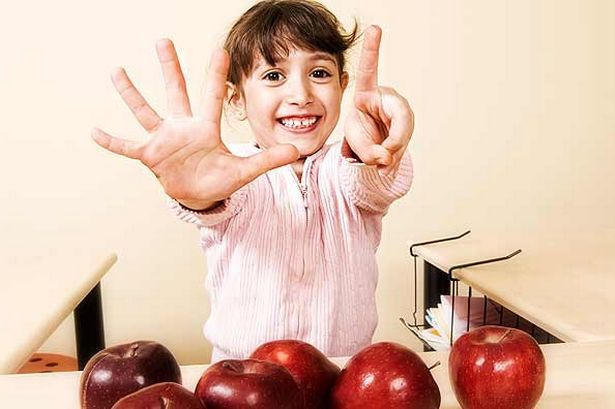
x=290 y=259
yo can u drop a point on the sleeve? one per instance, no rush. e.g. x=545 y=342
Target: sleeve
x=224 y=211
x=367 y=188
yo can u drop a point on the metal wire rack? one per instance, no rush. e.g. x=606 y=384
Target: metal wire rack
x=437 y=283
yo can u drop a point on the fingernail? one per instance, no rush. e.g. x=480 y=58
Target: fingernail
x=161 y=42
x=116 y=72
x=384 y=162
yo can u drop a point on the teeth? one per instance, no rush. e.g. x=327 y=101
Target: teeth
x=299 y=123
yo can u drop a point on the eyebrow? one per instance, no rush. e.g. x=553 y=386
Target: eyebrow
x=323 y=56
x=314 y=57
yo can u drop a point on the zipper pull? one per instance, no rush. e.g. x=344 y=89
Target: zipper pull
x=304 y=194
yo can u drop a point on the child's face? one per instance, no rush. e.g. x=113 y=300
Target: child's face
x=297 y=101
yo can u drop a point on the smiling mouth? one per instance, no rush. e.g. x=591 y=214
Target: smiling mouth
x=299 y=124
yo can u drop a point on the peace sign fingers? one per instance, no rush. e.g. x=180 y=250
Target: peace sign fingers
x=367 y=74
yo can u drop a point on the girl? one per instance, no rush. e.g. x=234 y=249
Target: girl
x=290 y=225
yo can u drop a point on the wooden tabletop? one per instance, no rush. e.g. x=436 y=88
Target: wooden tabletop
x=579 y=375
x=564 y=283
x=39 y=290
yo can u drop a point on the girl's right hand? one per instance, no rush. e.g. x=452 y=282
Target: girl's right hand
x=185 y=152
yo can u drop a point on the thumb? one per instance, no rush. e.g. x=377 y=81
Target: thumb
x=271 y=158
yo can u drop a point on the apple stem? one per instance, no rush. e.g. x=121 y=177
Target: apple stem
x=132 y=351
x=434 y=365
x=233 y=365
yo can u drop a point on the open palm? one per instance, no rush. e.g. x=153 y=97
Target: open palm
x=186 y=152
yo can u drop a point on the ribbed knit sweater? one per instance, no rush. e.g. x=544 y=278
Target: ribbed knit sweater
x=296 y=259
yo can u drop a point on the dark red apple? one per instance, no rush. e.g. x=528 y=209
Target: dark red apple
x=248 y=383
x=165 y=395
x=120 y=370
x=496 y=367
x=385 y=375
x=310 y=368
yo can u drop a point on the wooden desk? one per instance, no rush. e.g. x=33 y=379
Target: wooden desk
x=579 y=375
x=38 y=291
x=563 y=284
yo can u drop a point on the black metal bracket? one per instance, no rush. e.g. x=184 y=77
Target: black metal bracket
x=436 y=241
x=477 y=263
x=455 y=282
x=412 y=247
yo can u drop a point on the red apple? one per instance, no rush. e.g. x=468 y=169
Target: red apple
x=165 y=395
x=248 y=383
x=310 y=368
x=496 y=367
x=120 y=370
x=385 y=375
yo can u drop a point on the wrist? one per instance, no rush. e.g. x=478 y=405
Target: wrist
x=197 y=207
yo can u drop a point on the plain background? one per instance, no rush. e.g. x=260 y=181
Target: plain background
x=515 y=132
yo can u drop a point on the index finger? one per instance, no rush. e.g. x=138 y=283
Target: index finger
x=215 y=91
x=367 y=74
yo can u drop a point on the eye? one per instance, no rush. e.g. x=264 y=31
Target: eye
x=320 y=73
x=273 y=76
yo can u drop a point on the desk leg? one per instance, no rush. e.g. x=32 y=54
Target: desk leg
x=89 y=329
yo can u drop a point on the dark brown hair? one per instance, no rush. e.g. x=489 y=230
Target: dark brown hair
x=271 y=28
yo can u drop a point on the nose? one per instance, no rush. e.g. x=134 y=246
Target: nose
x=299 y=92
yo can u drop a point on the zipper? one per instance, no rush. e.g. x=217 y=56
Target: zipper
x=303 y=185
x=303 y=189
x=304 y=193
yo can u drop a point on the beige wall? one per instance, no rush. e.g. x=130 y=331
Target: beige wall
x=514 y=104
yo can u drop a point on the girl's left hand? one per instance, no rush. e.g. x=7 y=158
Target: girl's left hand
x=381 y=122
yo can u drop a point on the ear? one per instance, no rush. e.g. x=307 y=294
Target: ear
x=236 y=101
x=344 y=80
